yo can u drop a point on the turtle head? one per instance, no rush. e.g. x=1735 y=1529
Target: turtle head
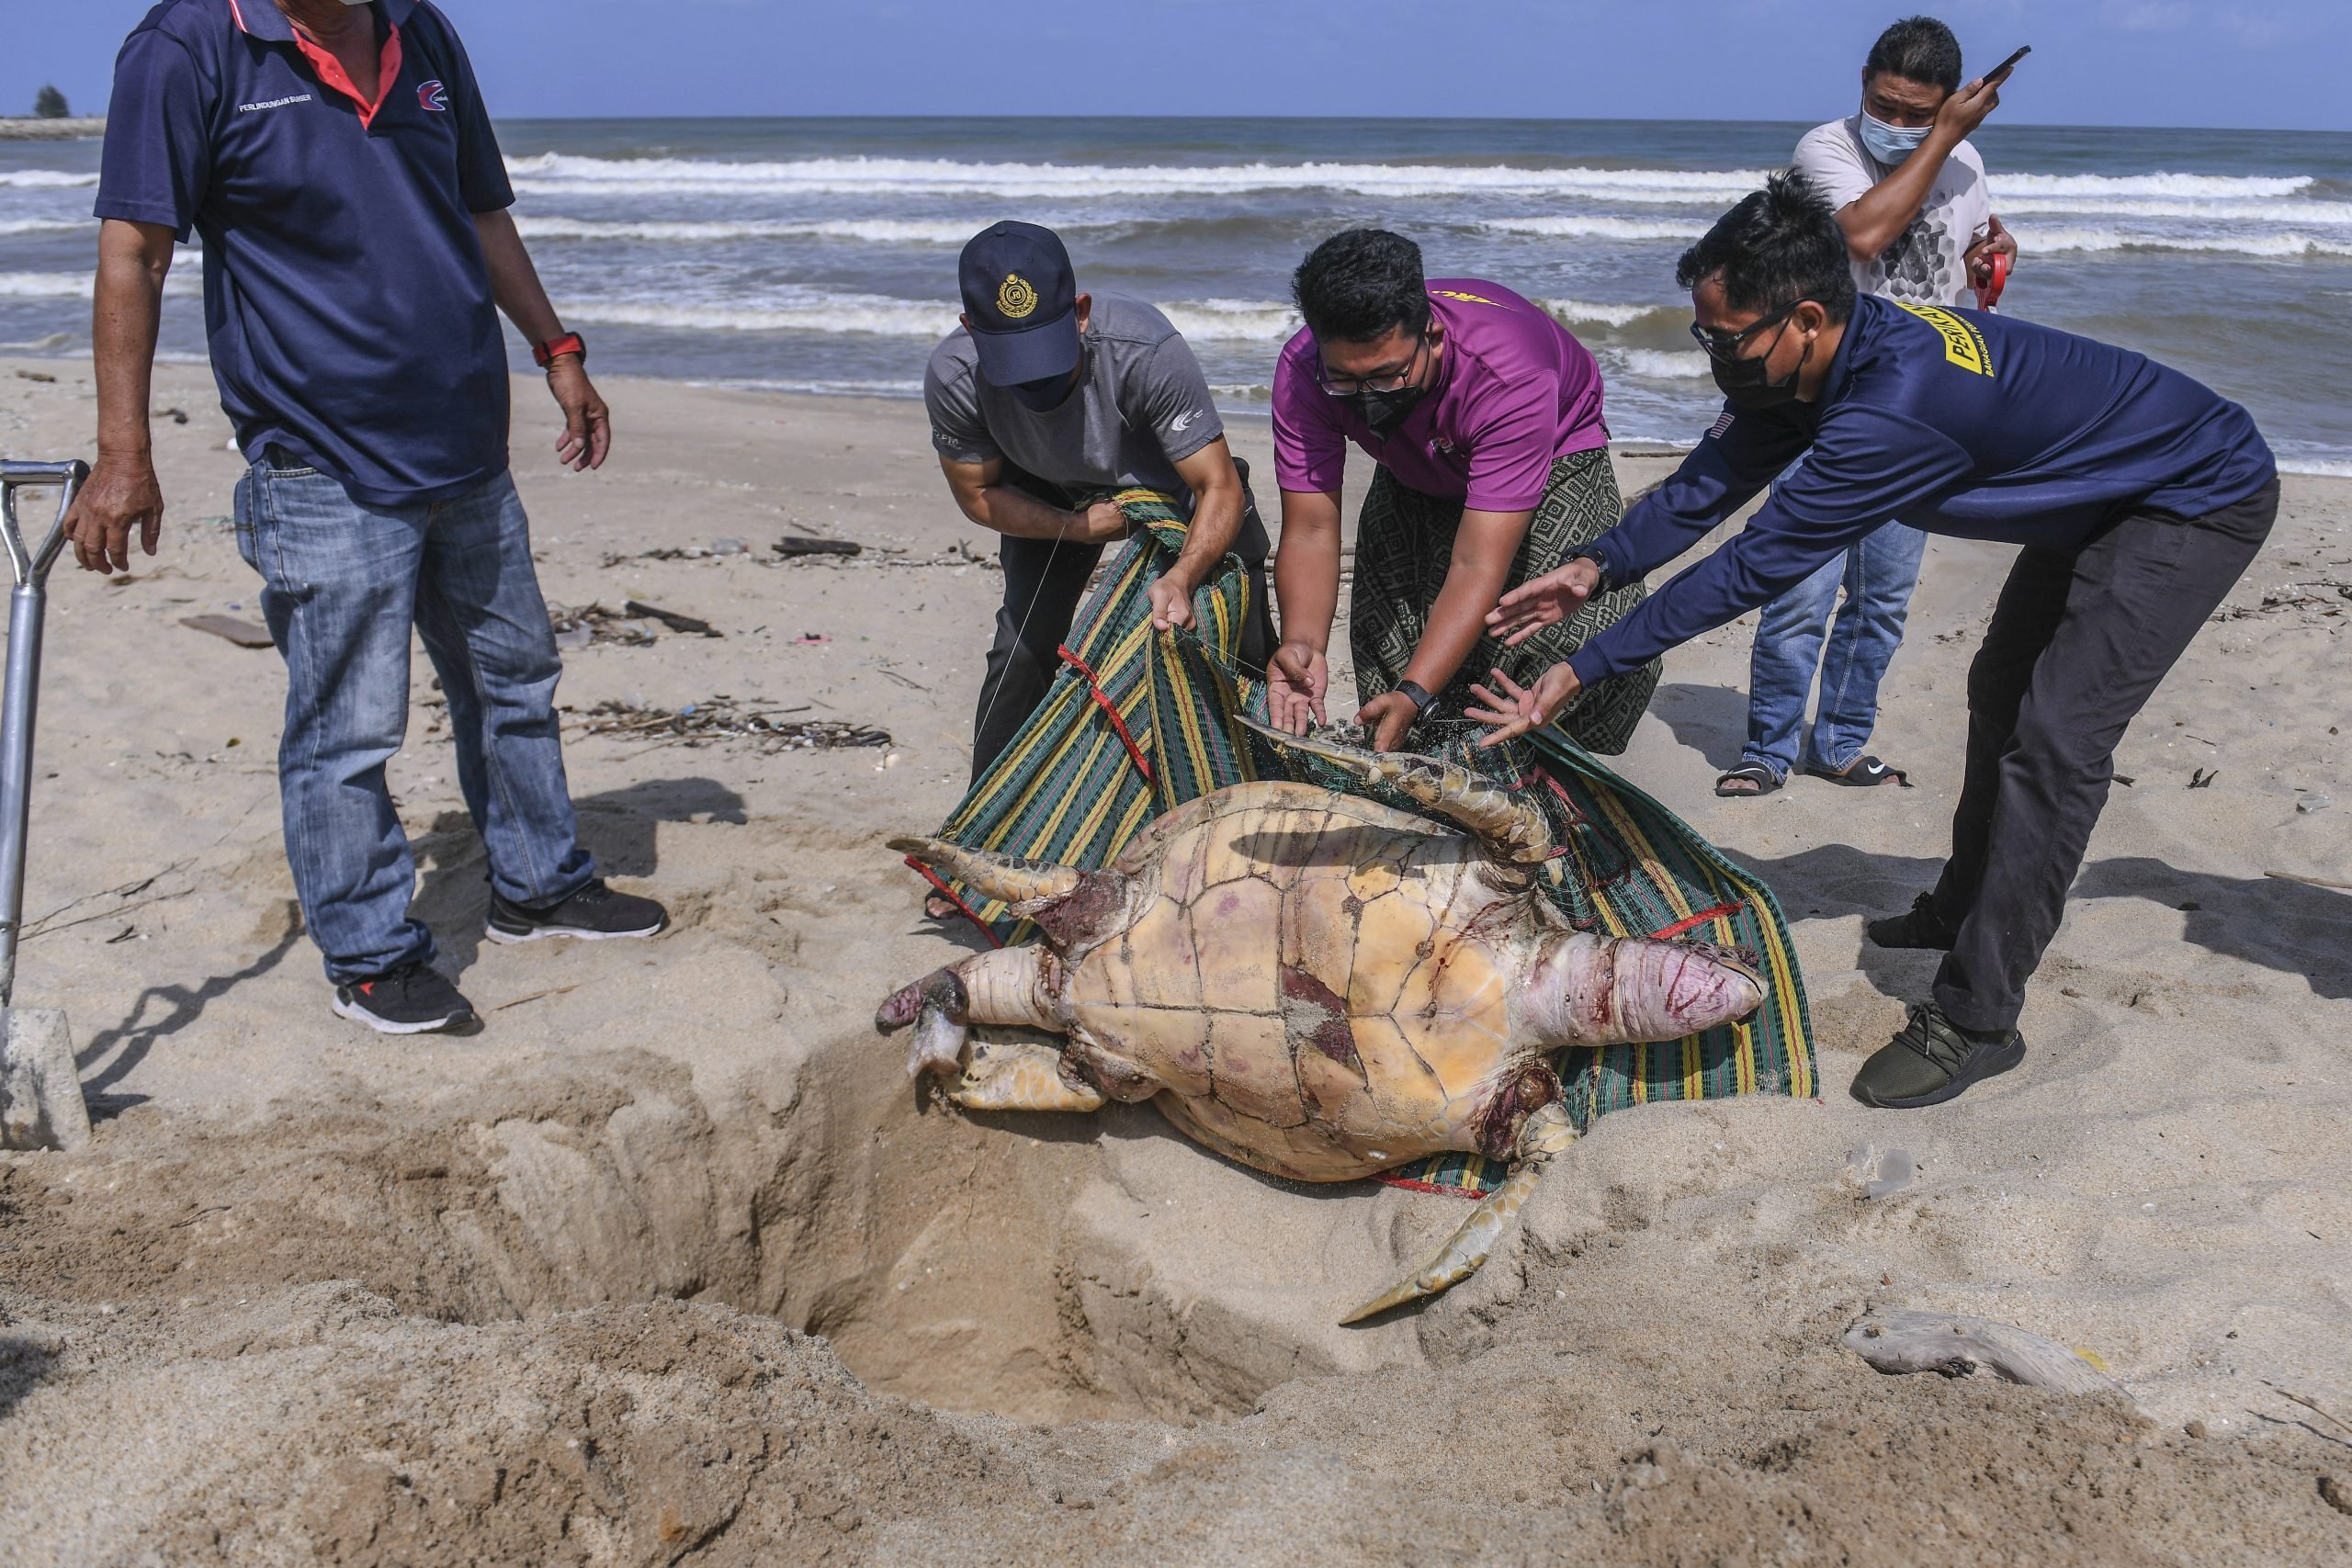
x=1593 y=990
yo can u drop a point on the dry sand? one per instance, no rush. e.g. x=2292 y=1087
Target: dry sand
x=670 y=1264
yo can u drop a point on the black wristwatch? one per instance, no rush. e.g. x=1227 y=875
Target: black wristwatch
x=1415 y=695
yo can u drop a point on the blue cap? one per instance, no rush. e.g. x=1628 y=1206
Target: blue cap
x=1022 y=303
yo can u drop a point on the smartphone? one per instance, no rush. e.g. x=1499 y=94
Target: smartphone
x=2000 y=72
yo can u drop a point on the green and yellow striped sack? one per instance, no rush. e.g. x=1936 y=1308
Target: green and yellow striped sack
x=1139 y=722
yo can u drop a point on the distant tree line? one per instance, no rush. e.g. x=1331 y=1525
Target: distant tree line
x=50 y=105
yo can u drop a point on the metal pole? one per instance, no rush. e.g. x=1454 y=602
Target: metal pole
x=21 y=690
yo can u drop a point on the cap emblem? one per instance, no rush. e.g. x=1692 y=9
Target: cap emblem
x=1016 y=297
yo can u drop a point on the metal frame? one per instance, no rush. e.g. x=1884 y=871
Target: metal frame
x=21 y=693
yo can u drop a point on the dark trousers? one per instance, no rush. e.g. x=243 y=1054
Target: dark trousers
x=2079 y=641
x=1044 y=584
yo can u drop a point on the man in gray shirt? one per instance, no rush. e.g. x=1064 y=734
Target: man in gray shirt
x=1042 y=403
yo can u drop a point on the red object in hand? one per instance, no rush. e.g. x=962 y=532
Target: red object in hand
x=1989 y=295
x=570 y=342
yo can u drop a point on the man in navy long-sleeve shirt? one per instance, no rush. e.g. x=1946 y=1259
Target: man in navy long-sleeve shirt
x=2138 y=495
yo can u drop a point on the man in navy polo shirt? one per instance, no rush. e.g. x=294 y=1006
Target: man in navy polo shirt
x=336 y=159
x=2139 y=497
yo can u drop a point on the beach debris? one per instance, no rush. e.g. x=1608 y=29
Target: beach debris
x=721 y=720
x=1881 y=1172
x=807 y=544
x=2314 y=1406
x=2316 y=800
x=673 y=619
x=2308 y=881
x=2337 y=1493
x=595 y=624
x=2201 y=778
x=42 y=375
x=808 y=639
x=1310 y=982
x=729 y=548
x=1895 y=1340
x=229 y=629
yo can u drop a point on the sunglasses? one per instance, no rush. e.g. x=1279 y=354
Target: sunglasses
x=1725 y=346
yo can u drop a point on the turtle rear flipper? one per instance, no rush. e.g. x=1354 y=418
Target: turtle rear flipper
x=1545 y=1133
x=1071 y=906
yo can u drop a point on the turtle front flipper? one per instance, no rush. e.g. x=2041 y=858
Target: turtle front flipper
x=1510 y=827
x=1545 y=1133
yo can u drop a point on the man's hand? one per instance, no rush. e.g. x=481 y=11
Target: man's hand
x=1296 y=678
x=1544 y=601
x=1980 y=254
x=1513 y=709
x=1171 y=601
x=1966 y=110
x=120 y=494
x=1388 y=716
x=587 y=424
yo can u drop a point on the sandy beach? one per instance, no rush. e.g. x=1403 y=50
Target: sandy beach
x=671 y=1264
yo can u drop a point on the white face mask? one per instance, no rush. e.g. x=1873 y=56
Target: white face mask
x=1890 y=144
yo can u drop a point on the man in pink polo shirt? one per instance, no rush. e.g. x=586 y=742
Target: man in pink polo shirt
x=1485 y=417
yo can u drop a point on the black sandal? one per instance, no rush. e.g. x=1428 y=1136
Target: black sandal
x=1863 y=773
x=1765 y=780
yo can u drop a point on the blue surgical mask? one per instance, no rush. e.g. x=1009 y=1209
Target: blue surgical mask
x=1890 y=144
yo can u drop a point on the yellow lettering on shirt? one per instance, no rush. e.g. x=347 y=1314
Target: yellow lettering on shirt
x=1964 y=345
x=1468 y=299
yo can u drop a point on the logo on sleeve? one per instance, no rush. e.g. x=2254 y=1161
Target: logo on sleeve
x=1964 y=345
x=1715 y=431
x=1016 y=297
x=434 y=95
x=1456 y=294
x=1182 y=421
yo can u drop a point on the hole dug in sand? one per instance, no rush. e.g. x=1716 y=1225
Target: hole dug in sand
x=1039 y=1268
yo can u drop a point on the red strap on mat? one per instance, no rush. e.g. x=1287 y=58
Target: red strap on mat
x=1409 y=1185
x=951 y=896
x=1103 y=701
x=1701 y=919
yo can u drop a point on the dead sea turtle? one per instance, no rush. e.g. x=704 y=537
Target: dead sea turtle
x=1313 y=984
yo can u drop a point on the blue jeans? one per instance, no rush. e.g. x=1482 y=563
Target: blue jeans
x=342 y=584
x=1878 y=574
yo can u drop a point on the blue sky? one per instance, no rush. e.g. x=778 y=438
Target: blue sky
x=2256 y=63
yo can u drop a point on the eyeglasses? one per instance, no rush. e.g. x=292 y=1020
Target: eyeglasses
x=1725 y=346
x=1349 y=385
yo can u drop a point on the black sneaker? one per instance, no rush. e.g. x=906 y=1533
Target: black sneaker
x=1932 y=1059
x=1920 y=928
x=415 y=999
x=591 y=914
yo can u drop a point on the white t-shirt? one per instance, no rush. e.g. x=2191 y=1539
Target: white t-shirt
x=1928 y=262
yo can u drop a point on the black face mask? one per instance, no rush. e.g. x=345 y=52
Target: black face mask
x=1386 y=411
x=1045 y=396
x=1745 y=382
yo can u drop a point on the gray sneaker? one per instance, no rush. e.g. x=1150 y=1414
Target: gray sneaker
x=1931 y=1060
x=594 y=913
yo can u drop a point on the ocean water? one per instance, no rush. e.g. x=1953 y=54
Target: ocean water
x=820 y=256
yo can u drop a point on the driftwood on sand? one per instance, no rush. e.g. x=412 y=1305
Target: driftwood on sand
x=1902 y=1341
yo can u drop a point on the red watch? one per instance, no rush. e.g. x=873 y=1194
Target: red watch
x=570 y=342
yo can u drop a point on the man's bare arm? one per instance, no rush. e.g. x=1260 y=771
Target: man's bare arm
x=515 y=284
x=123 y=493
x=1877 y=218
x=983 y=496
x=1217 y=506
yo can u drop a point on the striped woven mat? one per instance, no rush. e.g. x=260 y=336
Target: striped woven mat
x=1137 y=722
